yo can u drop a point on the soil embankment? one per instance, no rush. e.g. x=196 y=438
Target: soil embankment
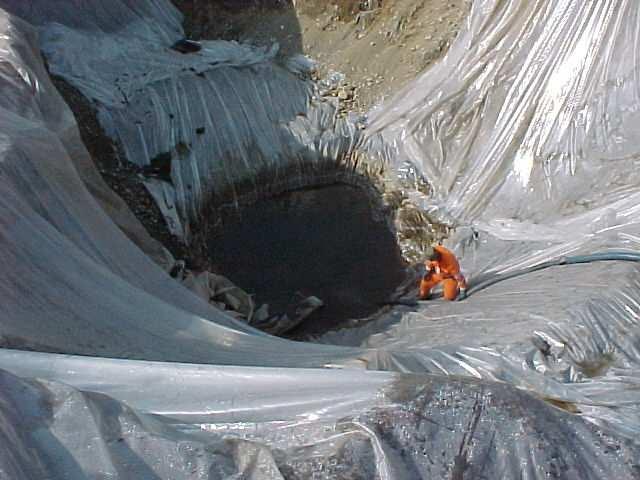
x=378 y=45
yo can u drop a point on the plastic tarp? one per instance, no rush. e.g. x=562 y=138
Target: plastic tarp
x=526 y=133
x=225 y=115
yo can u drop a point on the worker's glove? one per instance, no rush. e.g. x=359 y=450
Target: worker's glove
x=462 y=294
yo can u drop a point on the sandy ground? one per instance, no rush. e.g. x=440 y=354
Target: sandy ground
x=381 y=50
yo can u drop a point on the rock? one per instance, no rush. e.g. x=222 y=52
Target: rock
x=218 y=290
x=307 y=306
x=343 y=94
x=279 y=324
x=186 y=46
x=160 y=166
x=260 y=315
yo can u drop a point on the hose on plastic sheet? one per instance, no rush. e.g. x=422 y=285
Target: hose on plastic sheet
x=483 y=282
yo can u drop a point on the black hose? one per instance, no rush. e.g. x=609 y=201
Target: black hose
x=485 y=281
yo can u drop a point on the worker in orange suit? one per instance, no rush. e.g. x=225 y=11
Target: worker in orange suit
x=443 y=267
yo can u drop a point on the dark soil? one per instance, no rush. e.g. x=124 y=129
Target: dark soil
x=322 y=242
x=236 y=20
x=122 y=176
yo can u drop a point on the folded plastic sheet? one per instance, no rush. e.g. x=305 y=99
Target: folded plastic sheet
x=527 y=133
x=562 y=343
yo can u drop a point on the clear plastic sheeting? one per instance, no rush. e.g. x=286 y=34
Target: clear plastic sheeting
x=530 y=116
x=290 y=423
x=222 y=117
x=526 y=134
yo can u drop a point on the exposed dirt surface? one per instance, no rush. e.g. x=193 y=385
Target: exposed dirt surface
x=123 y=177
x=260 y=22
x=378 y=45
x=322 y=242
x=379 y=50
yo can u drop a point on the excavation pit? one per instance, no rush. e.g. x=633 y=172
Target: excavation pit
x=327 y=242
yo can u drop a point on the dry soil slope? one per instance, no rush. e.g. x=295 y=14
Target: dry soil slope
x=379 y=45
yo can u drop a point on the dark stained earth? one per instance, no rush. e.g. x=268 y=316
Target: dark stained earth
x=321 y=242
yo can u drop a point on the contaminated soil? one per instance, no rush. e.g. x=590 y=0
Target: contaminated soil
x=325 y=242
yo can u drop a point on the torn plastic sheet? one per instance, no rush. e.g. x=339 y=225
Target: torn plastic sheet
x=475 y=395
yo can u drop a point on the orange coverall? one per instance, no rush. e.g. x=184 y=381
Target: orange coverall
x=445 y=270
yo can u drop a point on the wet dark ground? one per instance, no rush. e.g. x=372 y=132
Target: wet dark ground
x=321 y=242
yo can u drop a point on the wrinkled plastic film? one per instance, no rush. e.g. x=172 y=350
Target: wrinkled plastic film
x=526 y=113
x=344 y=427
